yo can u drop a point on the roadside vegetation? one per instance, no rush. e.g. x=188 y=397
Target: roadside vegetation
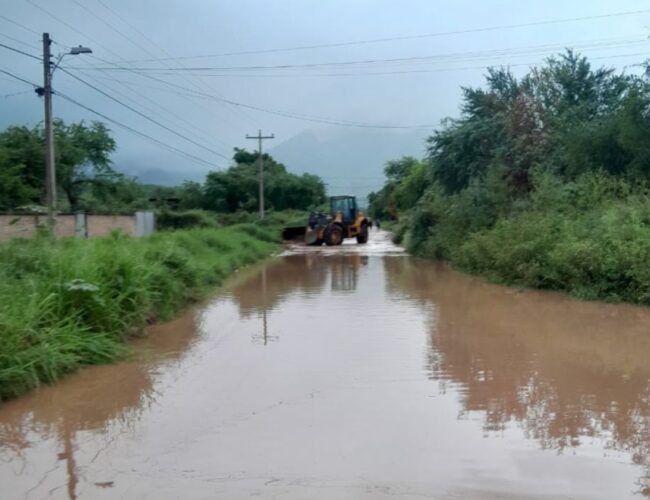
x=70 y=303
x=541 y=182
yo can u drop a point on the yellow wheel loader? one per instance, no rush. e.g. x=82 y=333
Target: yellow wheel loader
x=344 y=221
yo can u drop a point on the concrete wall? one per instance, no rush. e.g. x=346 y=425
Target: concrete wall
x=26 y=226
x=81 y=225
x=103 y=225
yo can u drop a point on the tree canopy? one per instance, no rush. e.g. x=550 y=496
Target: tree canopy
x=237 y=187
x=82 y=159
x=565 y=117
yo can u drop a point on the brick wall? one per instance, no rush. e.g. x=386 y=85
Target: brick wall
x=26 y=226
x=102 y=225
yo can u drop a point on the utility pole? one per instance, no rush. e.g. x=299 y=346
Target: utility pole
x=260 y=137
x=50 y=168
x=46 y=93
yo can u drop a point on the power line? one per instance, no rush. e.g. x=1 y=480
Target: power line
x=113 y=28
x=137 y=132
x=112 y=120
x=286 y=114
x=64 y=23
x=18 y=78
x=19 y=25
x=411 y=71
x=189 y=127
x=413 y=59
x=329 y=121
x=20 y=41
x=143 y=115
x=69 y=26
x=15 y=94
x=162 y=49
x=408 y=37
x=20 y=51
x=92 y=40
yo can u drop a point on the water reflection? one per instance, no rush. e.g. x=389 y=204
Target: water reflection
x=301 y=274
x=93 y=400
x=565 y=371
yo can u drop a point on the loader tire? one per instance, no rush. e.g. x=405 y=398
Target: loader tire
x=362 y=237
x=333 y=235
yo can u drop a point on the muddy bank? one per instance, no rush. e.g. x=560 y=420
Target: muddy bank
x=351 y=374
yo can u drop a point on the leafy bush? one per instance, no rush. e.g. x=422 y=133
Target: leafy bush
x=594 y=242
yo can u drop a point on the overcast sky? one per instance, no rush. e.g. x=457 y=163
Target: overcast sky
x=130 y=34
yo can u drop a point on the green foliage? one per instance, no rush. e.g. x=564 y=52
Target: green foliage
x=82 y=161
x=594 y=242
x=407 y=182
x=118 y=194
x=541 y=182
x=22 y=168
x=169 y=219
x=88 y=182
x=69 y=303
x=82 y=157
x=237 y=188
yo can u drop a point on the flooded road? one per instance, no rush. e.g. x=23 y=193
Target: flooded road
x=352 y=373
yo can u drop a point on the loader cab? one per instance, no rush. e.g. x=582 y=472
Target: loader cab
x=347 y=205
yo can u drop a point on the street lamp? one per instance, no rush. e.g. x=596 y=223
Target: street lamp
x=74 y=51
x=46 y=92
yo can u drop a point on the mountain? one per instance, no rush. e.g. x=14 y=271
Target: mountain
x=160 y=176
x=350 y=161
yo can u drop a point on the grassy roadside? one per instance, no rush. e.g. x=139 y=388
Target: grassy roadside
x=70 y=303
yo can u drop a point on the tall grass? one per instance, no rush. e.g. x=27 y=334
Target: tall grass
x=66 y=304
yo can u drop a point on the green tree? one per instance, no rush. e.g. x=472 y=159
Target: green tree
x=82 y=157
x=22 y=168
x=191 y=195
x=118 y=193
x=237 y=187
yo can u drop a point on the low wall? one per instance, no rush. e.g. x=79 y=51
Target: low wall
x=26 y=226
x=103 y=225
x=81 y=225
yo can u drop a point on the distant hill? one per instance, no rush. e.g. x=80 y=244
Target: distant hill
x=351 y=161
x=160 y=176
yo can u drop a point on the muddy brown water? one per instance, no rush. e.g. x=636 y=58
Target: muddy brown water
x=351 y=373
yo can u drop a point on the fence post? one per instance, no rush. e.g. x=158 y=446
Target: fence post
x=81 y=225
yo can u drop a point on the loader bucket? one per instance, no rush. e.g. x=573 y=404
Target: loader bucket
x=293 y=233
x=311 y=236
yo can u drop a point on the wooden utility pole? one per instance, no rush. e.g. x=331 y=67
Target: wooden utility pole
x=50 y=167
x=260 y=137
